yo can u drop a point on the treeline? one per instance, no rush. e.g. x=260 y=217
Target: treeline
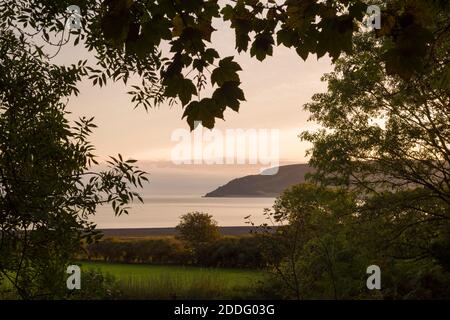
x=229 y=252
x=152 y=251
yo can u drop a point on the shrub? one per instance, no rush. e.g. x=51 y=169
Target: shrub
x=231 y=252
x=152 y=251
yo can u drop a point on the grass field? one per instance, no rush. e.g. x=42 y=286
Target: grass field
x=176 y=282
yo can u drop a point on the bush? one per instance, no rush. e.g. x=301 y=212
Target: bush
x=326 y=245
x=152 y=251
x=235 y=252
x=96 y=286
x=197 y=228
x=241 y=252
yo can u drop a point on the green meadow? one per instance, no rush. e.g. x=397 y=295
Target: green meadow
x=177 y=282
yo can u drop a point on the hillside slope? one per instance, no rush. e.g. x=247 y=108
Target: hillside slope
x=263 y=185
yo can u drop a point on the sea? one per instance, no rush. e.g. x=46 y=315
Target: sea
x=165 y=211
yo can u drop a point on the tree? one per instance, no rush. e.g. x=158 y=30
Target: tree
x=387 y=137
x=126 y=37
x=44 y=158
x=48 y=189
x=382 y=131
x=197 y=228
x=323 y=245
x=318 y=254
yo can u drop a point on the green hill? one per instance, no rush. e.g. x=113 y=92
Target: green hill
x=263 y=185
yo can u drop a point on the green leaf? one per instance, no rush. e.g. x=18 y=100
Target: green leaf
x=242 y=40
x=286 y=37
x=115 y=29
x=209 y=55
x=302 y=51
x=155 y=30
x=206 y=30
x=357 y=9
x=227 y=71
x=115 y=23
x=204 y=111
x=181 y=87
x=227 y=12
x=401 y=65
x=229 y=95
x=178 y=26
x=262 y=46
x=335 y=36
x=187 y=89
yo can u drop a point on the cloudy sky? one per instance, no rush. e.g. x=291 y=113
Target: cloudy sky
x=275 y=91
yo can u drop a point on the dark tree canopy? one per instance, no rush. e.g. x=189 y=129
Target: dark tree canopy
x=381 y=189
x=47 y=191
x=382 y=132
x=388 y=139
x=126 y=37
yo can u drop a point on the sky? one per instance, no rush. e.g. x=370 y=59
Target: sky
x=275 y=91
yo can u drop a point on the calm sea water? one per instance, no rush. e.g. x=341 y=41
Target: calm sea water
x=166 y=211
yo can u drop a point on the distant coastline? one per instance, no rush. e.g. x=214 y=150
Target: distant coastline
x=262 y=186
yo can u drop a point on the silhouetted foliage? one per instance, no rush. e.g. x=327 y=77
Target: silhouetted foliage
x=197 y=228
x=152 y=251
x=325 y=242
x=389 y=139
x=126 y=38
x=386 y=135
x=231 y=252
x=47 y=191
